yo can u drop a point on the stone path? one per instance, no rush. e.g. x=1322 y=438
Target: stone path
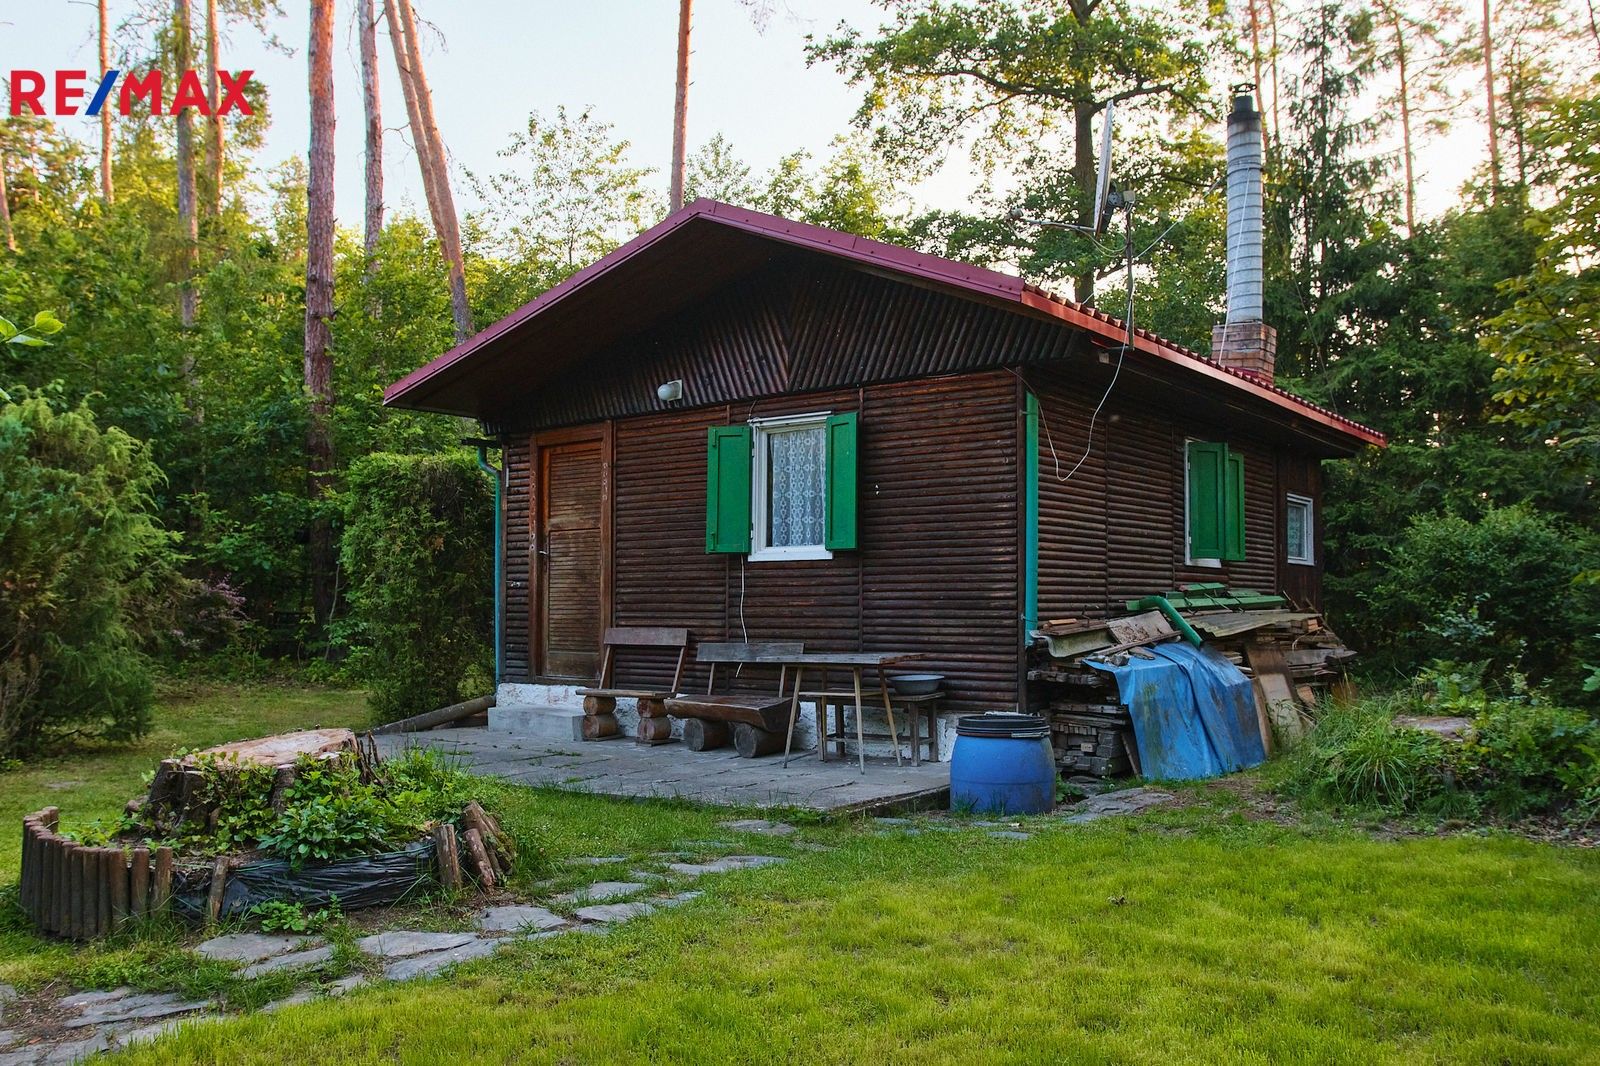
x=98 y=1021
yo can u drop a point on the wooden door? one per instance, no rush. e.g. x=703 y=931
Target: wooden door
x=572 y=601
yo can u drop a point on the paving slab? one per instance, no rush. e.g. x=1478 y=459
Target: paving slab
x=433 y=962
x=399 y=943
x=348 y=984
x=596 y=860
x=305 y=995
x=513 y=919
x=1112 y=804
x=608 y=913
x=75 y=1051
x=760 y=826
x=250 y=947
x=1009 y=834
x=723 y=865
x=136 y=1007
x=601 y=891
x=295 y=960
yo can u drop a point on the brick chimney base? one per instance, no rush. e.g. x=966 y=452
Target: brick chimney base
x=1250 y=347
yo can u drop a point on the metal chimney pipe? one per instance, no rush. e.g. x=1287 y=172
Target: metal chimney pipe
x=1244 y=210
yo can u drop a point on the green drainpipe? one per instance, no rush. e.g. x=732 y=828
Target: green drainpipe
x=499 y=560
x=1160 y=603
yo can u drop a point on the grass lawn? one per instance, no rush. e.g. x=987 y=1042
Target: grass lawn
x=1198 y=934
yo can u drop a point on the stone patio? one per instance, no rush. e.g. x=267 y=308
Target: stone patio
x=671 y=771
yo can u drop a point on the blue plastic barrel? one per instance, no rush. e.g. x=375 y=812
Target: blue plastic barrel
x=1003 y=764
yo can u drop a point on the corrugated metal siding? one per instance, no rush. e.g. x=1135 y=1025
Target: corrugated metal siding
x=518 y=494
x=661 y=572
x=1115 y=530
x=796 y=326
x=938 y=528
x=1072 y=504
x=1301 y=475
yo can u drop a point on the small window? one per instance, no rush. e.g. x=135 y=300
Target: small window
x=789 y=492
x=1299 y=530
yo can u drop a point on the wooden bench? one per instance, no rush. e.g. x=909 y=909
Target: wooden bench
x=600 y=699
x=754 y=722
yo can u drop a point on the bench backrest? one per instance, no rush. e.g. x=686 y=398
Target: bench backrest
x=748 y=651
x=643 y=637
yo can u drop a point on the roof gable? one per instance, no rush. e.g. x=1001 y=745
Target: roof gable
x=705 y=247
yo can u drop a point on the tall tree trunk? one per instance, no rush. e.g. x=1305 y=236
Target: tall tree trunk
x=106 y=192
x=368 y=32
x=1488 y=93
x=408 y=91
x=1272 y=63
x=214 y=128
x=1083 y=174
x=188 y=228
x=680 y=107
x=1405 y=123
x=319 y=305
x=450 y=233
x=1255 y=56
x=5 y=206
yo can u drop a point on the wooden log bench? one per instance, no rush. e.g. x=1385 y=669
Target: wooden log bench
x=600 y=699
x=754 y=721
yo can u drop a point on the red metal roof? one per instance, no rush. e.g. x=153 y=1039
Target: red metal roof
x=652 y=284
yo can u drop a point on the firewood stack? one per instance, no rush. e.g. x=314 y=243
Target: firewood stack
x=1294 y=657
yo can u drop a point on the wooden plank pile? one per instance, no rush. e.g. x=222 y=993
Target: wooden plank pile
x=1093 y=738
x=1294 y=658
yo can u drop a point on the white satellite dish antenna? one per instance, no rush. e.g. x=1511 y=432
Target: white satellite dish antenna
x=1102 y=181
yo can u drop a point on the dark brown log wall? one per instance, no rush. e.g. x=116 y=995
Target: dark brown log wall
x=1114 y=530
x=1302 y=476
x=938 y=528
x=518 y=496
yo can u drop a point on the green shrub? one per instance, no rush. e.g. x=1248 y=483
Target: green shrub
x=82 y=560
x=1522 y=758
x=1358 y=756
x=418 y=552
x=1534 y=759
x=1505 y=594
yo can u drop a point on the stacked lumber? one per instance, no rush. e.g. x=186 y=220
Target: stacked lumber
x=1293 y=657
x=1093 y=738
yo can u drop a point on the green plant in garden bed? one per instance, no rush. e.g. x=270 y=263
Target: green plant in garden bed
x=1523 y=758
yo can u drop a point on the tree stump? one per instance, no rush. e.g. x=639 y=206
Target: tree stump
x=704 y=734
x=750 y=741
x=600 y=718
x=654 y=731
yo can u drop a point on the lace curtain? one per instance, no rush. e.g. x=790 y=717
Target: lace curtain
x=796 y=489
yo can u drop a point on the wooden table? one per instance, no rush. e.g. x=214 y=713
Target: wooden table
x=856 y=663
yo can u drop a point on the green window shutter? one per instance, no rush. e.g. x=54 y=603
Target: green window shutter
x=1208 y=474
x=728 y=489
x=1233 y=495
x=841 y=525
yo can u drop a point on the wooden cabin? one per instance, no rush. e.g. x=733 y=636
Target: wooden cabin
x=765 y=430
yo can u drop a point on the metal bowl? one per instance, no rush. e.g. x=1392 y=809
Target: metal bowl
x=916 y=684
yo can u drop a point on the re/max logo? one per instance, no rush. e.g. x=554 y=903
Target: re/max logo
x=28 y=90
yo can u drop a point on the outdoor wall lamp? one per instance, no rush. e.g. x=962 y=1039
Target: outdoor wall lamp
x=671 y=391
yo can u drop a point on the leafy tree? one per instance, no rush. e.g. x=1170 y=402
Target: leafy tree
x=81 y=560
x=1024 y=81
x=1545 y=343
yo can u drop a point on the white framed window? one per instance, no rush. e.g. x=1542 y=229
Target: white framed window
x=1299 y=529
x=789 y=488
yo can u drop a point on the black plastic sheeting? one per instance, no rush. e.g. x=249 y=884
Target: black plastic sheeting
x=367 y=881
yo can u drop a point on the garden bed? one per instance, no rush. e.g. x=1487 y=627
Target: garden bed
x=313 y=819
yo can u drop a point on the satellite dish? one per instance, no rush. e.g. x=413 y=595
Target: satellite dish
x=1102 y=181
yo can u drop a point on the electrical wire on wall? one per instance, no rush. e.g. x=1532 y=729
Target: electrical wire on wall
x=1132 y=260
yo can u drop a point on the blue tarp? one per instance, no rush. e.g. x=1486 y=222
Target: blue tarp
x=1194 y=714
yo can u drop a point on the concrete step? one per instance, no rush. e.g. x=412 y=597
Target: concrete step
x=537 y=720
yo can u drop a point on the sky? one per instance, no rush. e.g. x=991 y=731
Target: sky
x=491 y=62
